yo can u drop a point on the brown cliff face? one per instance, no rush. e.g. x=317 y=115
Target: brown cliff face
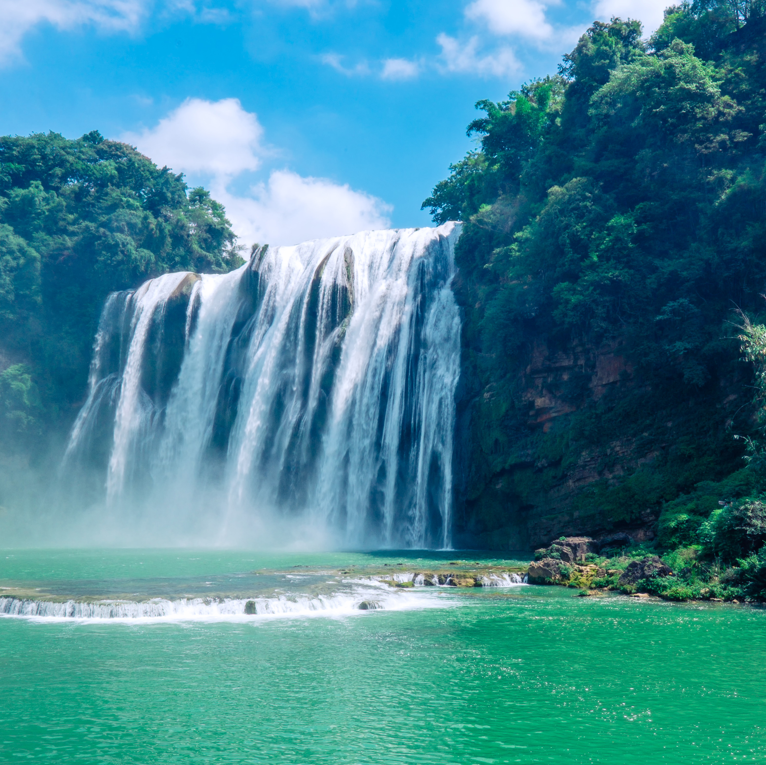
x=577 y=443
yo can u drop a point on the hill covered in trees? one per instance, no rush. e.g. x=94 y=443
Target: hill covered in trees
x=79 y=219
x=615 y=224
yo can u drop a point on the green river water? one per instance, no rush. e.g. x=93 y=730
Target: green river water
x=437 y=675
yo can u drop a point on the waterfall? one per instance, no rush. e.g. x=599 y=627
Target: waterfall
x=313 y=385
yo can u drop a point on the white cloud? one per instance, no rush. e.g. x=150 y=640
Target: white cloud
x=216 y=141
x=525 y=18
x=17 y=17
x=217 y=138
x=335 y=61
x=399 y=69
x=464 y=58
x=205 y=14
x=219 y=16
x=649 y=12
x=289 y=208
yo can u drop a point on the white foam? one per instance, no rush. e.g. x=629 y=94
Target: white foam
x=359 y=601
x=502 y=580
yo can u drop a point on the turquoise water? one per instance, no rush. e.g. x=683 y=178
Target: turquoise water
x=484 y=675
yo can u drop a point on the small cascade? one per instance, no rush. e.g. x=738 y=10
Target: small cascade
x=346 y=603
x=314 y=385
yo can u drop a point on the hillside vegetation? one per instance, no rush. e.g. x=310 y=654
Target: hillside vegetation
x=615 y=226
x=79 y=219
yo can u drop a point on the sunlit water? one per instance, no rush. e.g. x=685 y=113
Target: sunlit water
x=437 y=675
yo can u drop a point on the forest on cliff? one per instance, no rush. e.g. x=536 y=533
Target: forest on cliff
x=80 y=219
x=615 y=228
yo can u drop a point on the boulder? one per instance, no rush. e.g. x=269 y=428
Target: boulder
x=545 y=571
x=645 y=568
x=462 y=581
x=250 y=608
x=574 y=549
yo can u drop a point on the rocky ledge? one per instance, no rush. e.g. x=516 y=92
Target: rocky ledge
x=618 y=563
x=482 y=578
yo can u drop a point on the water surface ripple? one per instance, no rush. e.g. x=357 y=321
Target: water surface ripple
x=517 y=675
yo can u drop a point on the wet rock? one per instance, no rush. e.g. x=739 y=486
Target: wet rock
x=545 y=571
x=368 y=605
x=463 y=581
x=640 y=595
x=250 y=608
x=645 y=568
x=574 y=549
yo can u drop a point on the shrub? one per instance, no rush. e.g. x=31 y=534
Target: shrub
x=753 y=574
x=735 y=530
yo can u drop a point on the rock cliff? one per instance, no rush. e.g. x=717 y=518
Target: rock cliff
x=581 y=439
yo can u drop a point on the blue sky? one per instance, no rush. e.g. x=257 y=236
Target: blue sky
x=306 y=118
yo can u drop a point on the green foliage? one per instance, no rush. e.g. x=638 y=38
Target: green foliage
x=681 y=521
x=80 y=219
x=20 y=408
x=19 y=279
x=753 y=574
x=618 y=208
x=735 y=530
x=511 y=132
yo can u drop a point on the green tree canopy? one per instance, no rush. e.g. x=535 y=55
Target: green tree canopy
x=79 y=219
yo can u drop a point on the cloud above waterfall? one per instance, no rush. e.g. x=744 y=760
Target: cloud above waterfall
x=218 y=143
x=215 y=137
x=289 y=208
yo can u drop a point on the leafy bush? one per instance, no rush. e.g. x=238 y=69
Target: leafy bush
x=735 y=530
x=753 y=574
x=668 y=588
x=19 y=403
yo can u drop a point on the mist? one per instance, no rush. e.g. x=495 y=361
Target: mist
x=302 y=401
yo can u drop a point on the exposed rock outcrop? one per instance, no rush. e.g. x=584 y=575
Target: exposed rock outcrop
x=574 y=549
x=646 y=568
x=545 y=571
x=546 y=446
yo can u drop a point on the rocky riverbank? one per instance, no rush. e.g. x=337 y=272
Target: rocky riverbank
x=619 y=564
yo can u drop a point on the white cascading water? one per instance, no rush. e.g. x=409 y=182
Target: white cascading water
x=315 y=384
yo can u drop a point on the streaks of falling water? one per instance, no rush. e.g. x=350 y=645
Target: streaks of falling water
x=319 y=378
x=133 y=411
